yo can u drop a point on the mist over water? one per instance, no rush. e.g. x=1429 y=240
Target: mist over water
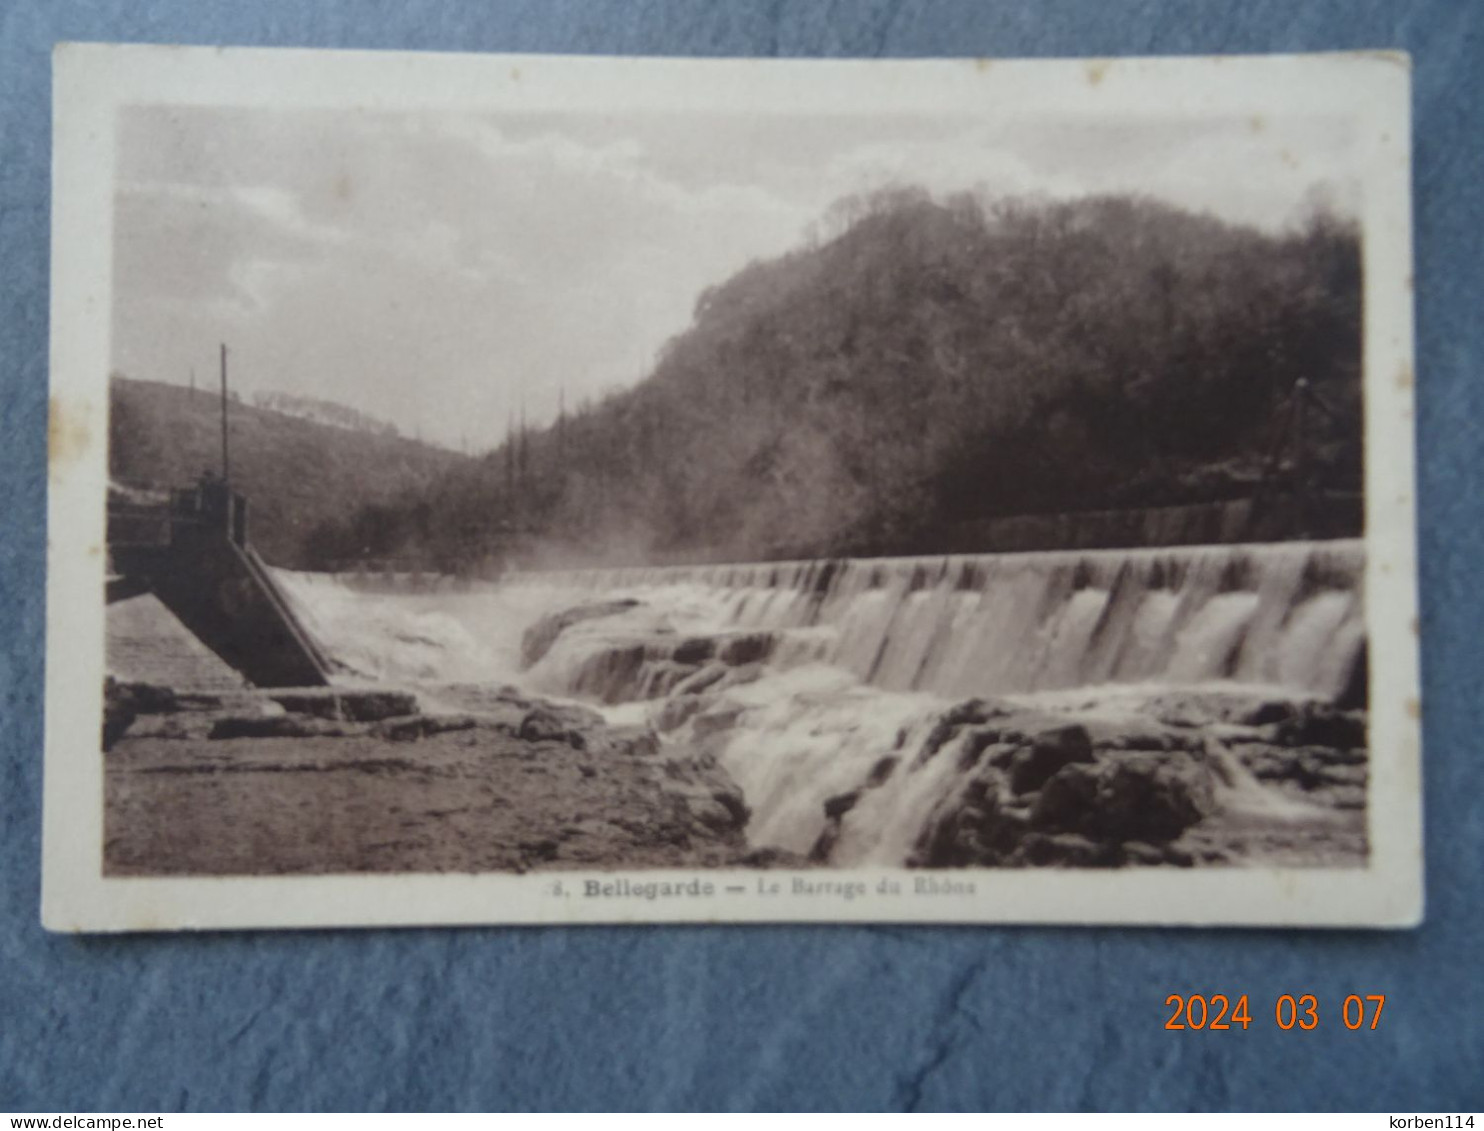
x=866 y=655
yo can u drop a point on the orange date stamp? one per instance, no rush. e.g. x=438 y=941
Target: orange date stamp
x=1301 y=1012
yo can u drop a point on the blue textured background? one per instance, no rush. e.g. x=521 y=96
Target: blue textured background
x=745 y=1017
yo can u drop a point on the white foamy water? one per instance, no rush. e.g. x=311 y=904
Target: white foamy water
x=810 y=734
x=867 y=652
x=1287 y=615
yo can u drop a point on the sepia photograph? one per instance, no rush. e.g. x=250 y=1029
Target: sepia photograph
x=731 y=490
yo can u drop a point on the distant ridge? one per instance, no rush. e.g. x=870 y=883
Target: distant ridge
x=321 y=411
x=298 y=474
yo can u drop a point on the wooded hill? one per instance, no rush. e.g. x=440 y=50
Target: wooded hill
x=922 y=364
x=298 y=475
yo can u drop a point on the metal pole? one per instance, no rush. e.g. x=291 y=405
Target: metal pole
x=226 y=458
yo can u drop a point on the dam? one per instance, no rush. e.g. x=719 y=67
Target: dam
x=808 y=681
x=1286 y=615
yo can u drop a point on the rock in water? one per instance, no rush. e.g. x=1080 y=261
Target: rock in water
x=1269 y=712
x=1067 y=850
x=124 y=702
x=361 y=706
x=1048 y=753
x=611 y=675
x=417 y=727
x=1142 y=797
x=119 y=712
x=280 y=726
x=970 y=712
x=695 y=650
x=539 y=638
x=841 y=804
x=730 y=798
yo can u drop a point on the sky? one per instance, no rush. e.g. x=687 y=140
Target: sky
x=445 y=272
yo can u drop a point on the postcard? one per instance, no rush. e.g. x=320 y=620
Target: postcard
x=516 y=489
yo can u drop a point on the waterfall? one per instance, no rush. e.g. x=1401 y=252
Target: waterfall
x=1287 y=615
x=418 y=633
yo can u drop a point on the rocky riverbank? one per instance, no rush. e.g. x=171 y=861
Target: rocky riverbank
x=456 y=779
x=744 y=750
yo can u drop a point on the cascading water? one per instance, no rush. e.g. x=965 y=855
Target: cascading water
x=862 y=656
x=1287 y=615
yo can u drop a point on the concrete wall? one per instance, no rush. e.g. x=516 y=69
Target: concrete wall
x=227 y=599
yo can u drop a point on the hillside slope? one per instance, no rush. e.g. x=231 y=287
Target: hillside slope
x=932 y=364
x=298 y=475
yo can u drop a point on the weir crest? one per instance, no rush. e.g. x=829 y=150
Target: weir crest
x=1286 y=615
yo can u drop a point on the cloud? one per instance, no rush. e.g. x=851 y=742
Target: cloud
x=442 y=270
x=1258 y=176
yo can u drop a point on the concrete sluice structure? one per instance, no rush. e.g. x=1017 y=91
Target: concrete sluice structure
x=193 y=556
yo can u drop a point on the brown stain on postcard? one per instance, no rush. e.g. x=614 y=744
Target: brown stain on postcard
x=1396 y=58
x=68 y=435
x=1096 y=72
x=1405 y=378
x=1414 y=708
